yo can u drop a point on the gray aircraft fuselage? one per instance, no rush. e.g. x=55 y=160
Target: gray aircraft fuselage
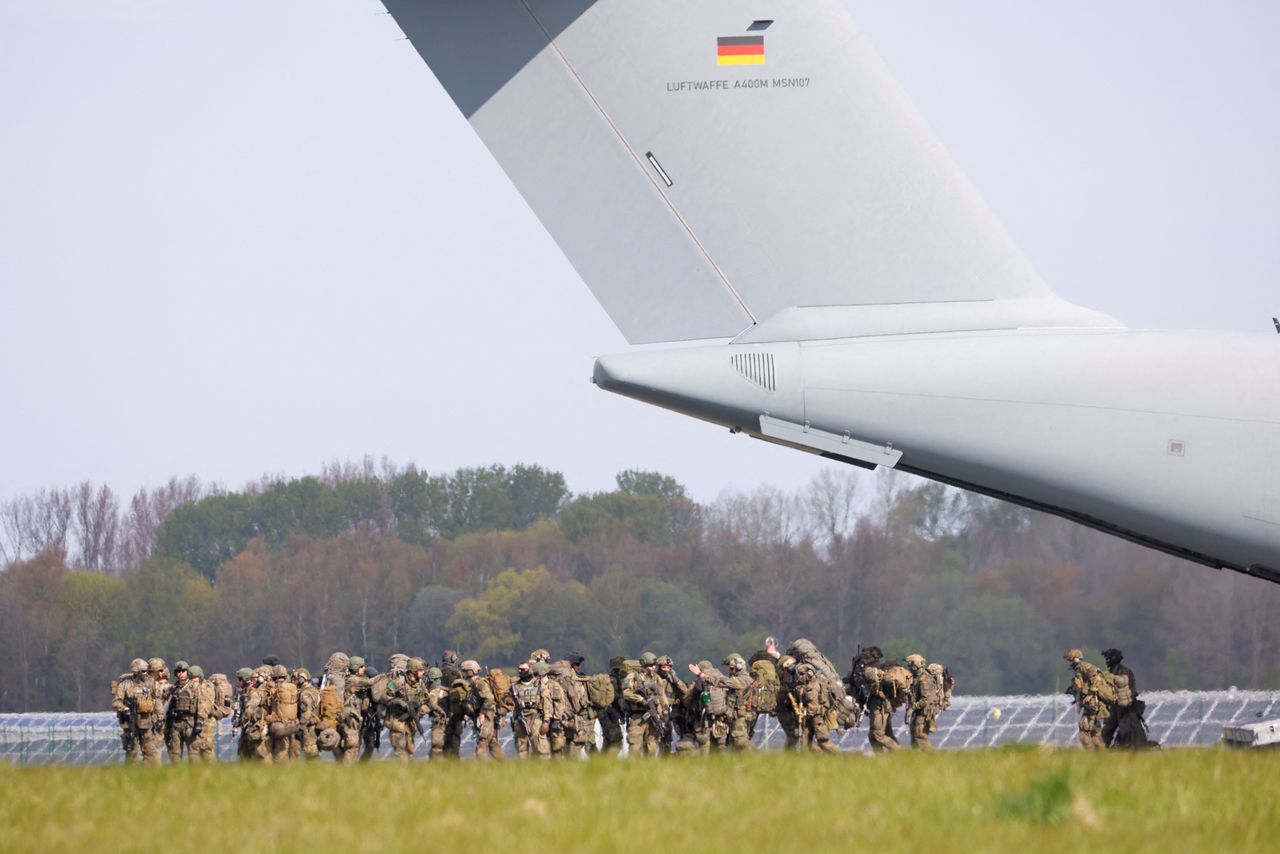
x=1170 y=439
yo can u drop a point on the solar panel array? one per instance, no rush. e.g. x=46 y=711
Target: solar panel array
x=1174 y=718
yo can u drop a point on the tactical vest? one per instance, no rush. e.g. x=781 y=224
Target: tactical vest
x=527 y=696
x=184 y=699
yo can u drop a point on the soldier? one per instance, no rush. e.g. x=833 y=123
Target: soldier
x=282 y=714
x=812 y=706
x=449 y=672
x=1086 y=691
x=438 y=707
x=481 y=708
x=696 y=725
x=1124 y=726
x=924 y=702
x=584 y=723
x=355 y=704
x=732 y=728
x=539 y=655
x=158 y=671
x=562 y=716
x=305 y=741
x=406 y=700
x=180 y=717
x=879 y=706
x=788 y=701
x=531 y=720
x=203 y=743
x=612 y=718
x=642 y=697
x=244 y=749
x=255 y=745
x=135 y=706
x=674 y=692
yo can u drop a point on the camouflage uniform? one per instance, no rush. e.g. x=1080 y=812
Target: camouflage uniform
x=696 y=735
x=1124 y=726
x=304 y=742
x=180 y=718
x=482 y=709
x=879 y=711
x=406 y=702
x=531 y=720
x=925 y=701
x=583 y=727
x=255 y=746
x=356 y=704
x=788 y=701
x=279 y=720
x=449 y=672
x=611 y=719
x=438 y=707
x=674 y=691
x=1084 y=691
x=813 y=698
x=562 y=716
x=732 y=730
x=637 y=690
x=135 y=701
x=203 y=745
x=459 y=691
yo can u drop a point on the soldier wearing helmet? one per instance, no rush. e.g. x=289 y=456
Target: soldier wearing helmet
x=357 y=704
x=406 y=702
x=480 y=707
x=531 y=718
x=675 y=692
x=643 y=697
x=611 y=719
x=1087 y=689
x=812 y=707
x=306 y=741
x=924 y=701
x=254 y=745
x=449 y=671
x=1124 y=726
x=180 y=721
x=730 y=729
x=202 y=745
x=136 y=707
x=438 y=707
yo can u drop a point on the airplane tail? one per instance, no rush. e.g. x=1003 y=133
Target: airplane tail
x=710 y=166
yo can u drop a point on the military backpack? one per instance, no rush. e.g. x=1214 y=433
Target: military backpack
x=600 y=691
x=222 y=696
x=285 y=703
x=762 y=696
x=1124 y=694
x=500 y=684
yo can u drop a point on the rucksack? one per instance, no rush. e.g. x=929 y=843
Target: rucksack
x=330 y=706
x=804 y=651
x=285 y=709
x=500 y=683
x=1100 y=684
x=380 y=685
x=222 y=696
x=562 y=672
x=459 y=691
x=335 y=672
x=600 y=691
x=896 y=681
x=1124 y=694
x=765 y=685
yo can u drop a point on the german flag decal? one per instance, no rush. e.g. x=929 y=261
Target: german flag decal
x=740 y=50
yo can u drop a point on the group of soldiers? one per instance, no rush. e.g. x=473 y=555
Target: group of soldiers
x=1111 y=714
x=553 y=707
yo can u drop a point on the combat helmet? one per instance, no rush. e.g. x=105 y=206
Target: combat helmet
x=735 y=662
x=648 y=658
x=138 y=665
x=915 y=660
x=787 y=662
x=180 y=665
x=540 y=655
x=397 y=661
x=1112 y=656
x=156 y=664
x=1073 y=655
x=244 y=674
x=279 y=671
x=196 y=671
x=469 y=666
x=415 y=664
x=355 y=663
x=435 y=674
x=302 y=674
x=665 y=661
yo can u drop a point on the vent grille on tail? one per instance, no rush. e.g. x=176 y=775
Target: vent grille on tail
x=757 y=367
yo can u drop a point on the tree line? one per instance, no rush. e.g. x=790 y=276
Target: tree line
x=495 y=561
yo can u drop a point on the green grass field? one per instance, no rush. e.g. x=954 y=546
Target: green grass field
x=1010 y=799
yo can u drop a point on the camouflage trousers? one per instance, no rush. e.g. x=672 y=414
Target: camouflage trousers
x=178 y=739
x=642 y=739
x=147 y=746
x=740 y=729
x=439 y=736
x=204 y=746
x=1090 y=734
x=254 y=746
x=880 y=721
x=403 y=743
x=921 y=726
x=488 y=745
x=790 y=726
x=817 y=735
x=529 y=740
x=303 y=743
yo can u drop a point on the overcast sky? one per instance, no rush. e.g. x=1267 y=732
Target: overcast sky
x=251 y=236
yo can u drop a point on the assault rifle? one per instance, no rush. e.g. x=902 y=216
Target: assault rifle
x=801 y=714
x=129 y=738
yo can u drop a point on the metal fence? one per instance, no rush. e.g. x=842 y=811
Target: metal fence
x=1175 y=719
